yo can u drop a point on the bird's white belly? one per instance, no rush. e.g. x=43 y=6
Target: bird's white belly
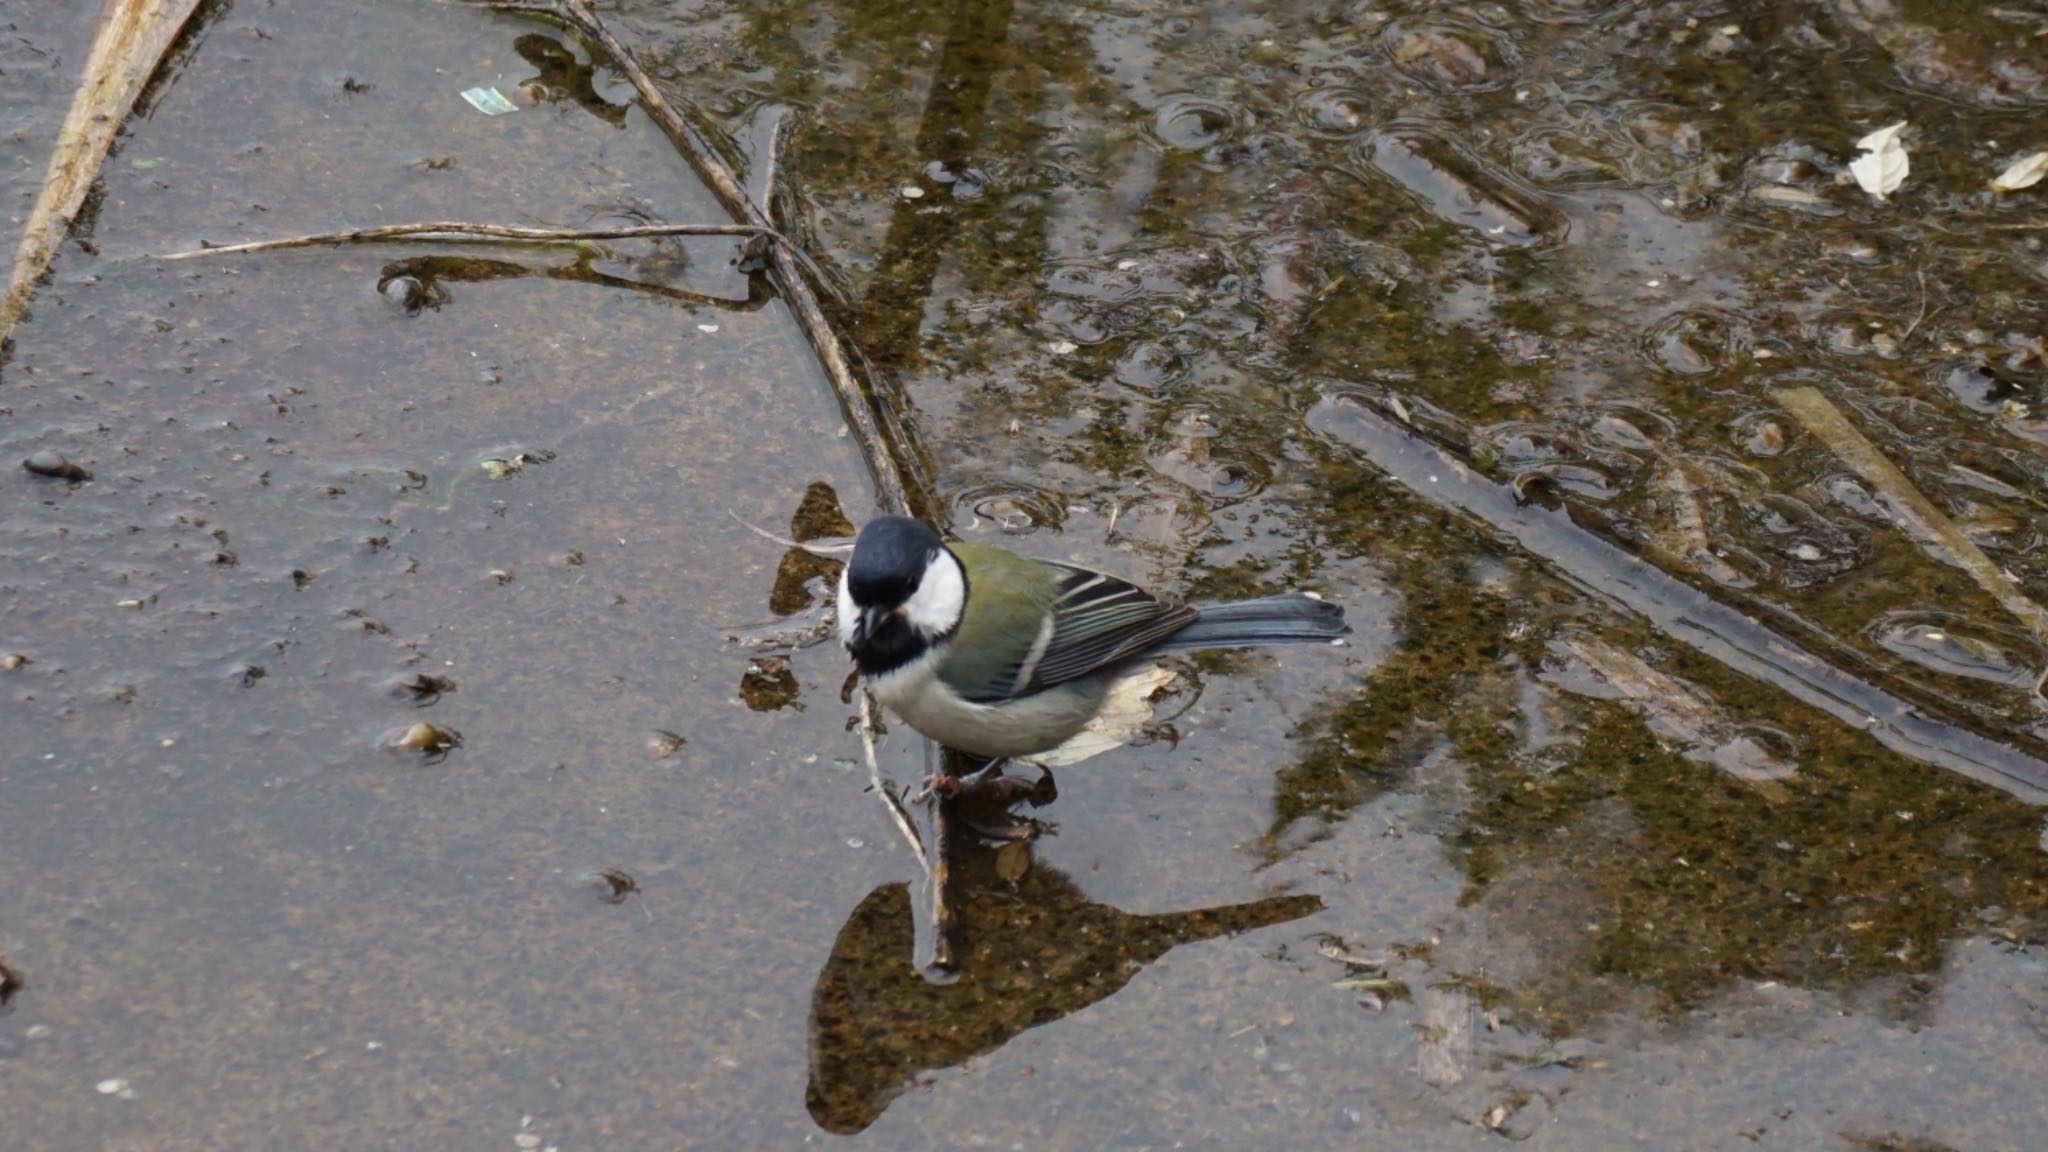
x=1014 y=729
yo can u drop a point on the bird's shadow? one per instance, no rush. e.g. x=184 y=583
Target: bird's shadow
x=1036 y=950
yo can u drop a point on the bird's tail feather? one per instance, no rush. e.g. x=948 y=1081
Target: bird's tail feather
x=1290 y=619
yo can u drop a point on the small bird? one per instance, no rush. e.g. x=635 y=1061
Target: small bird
x=1005 y=656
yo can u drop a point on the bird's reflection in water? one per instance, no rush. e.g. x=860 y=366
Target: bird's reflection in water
x=1035 y=950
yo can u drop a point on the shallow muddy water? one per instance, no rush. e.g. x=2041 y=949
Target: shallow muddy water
x=1680 y=787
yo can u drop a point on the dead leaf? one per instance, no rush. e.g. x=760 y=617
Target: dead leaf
x=133 y=36
x=1883 y=165
x=2025 y=172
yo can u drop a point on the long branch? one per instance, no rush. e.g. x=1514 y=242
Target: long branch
x=457 y=230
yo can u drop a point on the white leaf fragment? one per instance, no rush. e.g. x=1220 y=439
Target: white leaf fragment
x=2025 y=172
x=1883 y=165
x=1883 y=138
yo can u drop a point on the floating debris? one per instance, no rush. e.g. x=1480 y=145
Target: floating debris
x=609 y=884
x=11 y=661
x=422 y=688
x=1883 y=165
x=425 y=737
x=2023 y=173
x=11 y=981
x=664 y=744
x=1957 y=647
x=489 y=101
x=1334 y=948
x=768 y=684
x=1463 y=190
x=502 y=467
x=56 y=466
x=1670 y=707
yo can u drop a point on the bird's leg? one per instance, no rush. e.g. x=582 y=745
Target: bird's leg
x=976 y=783
x=989 y=782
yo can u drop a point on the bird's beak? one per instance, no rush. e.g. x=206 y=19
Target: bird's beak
x=871 y=620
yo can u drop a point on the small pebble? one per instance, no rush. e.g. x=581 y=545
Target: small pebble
x=11 y=661
x=913 y=192
x=55 y=466
x=424 y=737
x=526 y=1140
x=111 y=1085
x=1767 y=438
x=38 y=1032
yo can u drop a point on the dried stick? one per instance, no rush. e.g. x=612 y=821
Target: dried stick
x=881 y=786
x=459 y=230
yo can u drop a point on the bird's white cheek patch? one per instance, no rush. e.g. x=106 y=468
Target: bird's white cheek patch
x=848 y=614
x=936 y=605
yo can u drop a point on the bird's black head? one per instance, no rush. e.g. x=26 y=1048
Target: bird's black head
x=902 y=591
x=889 y=560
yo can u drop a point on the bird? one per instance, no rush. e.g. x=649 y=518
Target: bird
x=1005 y=656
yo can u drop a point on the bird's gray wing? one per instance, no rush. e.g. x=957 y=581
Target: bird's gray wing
x=1096 y=621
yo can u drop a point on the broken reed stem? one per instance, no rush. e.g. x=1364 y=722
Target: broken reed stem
x=945 y=919
x=1827 y=422
x=854 y=401
x=881 y=786
x=460 y=230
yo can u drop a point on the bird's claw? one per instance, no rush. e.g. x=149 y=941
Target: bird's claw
x=989 y=782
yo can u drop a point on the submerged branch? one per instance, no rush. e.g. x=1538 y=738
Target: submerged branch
x=1676 y=608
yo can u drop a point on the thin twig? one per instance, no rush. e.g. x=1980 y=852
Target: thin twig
x=882 y=787
x=1919 y=274
x=826 y=551
x=458 y=230
x=771 y=154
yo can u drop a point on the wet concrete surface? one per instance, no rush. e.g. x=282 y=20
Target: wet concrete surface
x=1525 y=861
